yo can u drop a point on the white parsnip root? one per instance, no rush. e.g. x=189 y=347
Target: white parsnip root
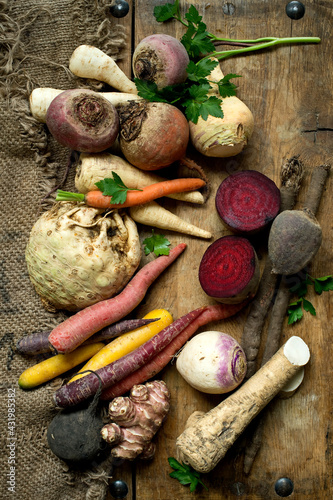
x=41 y=98
x=205 y=443
x=153 y=214
x=95 y=167
x=291 y=387
x=90 y=62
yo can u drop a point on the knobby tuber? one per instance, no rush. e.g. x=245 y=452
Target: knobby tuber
x=292 y=172
x=229 y=270
x=296 y=235
x=136 y=419
x=205 y=443
x=247 y=201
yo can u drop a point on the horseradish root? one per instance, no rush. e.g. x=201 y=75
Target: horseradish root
x=229 y=270
x=136 y=419
x=205 y=443
x=296 y=235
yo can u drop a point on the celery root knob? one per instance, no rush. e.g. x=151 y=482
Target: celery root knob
x=205 y=443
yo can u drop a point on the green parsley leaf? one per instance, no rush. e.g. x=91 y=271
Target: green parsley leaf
x=156 y=243
x=165 y=12
x=200 y=70
x=308 y=307
x=295 y=312
x=149 y=91
x=185 y=474
x=115 y=188
x=300 y=288
x=324 y=284
x=193 y=16
x=226 y=88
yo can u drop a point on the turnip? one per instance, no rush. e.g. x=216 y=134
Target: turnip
x=161 y=59
x=153 y=135
x=83 y=120
x=212 y=362
x=77 y=256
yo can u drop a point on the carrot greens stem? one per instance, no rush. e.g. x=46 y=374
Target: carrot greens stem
x=69 y=196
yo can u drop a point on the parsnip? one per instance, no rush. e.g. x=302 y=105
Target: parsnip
x=227 y=136
x=41 y=98
x=153 y=214
x=205 y=443
x=90 y=62
x=93 y=168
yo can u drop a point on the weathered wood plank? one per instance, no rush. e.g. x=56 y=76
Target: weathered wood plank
x=289 y=90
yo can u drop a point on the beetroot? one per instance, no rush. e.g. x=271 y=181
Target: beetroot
x=83 y=120
x=229 y=270
x=247 y=201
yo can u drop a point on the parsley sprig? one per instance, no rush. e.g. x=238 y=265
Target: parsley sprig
x=115 y=188
x=295 y=309
x=185 y=474
x=156 y=243
x=192 y=96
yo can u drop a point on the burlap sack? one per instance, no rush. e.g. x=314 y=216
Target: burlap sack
x=37 y=39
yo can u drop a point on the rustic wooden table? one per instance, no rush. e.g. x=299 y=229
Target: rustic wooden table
x=289 y=90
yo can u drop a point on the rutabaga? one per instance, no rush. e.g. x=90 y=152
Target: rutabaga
x=78 y=255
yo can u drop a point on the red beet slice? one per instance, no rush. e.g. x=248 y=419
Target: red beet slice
x=247 y=201
x=229 y=270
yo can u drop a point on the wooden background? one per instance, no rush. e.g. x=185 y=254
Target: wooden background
x=289 y=90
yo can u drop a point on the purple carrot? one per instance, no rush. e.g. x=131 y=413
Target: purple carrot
x=38 y=343
x=81 y=389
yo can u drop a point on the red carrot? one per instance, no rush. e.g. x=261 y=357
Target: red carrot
x=76 y=329
x=149 y=193
x=157 y=363
x=81 y=389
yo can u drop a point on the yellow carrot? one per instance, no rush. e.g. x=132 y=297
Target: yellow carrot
x=153 y=214
x=56 y=365
x=127 y=342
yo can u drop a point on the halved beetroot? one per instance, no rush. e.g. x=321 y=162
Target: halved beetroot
x=229 y=270
x=247 y=201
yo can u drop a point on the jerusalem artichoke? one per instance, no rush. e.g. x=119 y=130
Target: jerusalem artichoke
x=136 y=419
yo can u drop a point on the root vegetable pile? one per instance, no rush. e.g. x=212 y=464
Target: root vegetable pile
x=247 y=201
x=136 y=419
x=229 y=270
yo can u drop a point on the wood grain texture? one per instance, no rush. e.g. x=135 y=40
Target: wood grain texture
x=289 y=90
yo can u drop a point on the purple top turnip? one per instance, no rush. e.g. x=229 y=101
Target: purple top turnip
x=212 y=362
x=83 y=120
x=161 y=59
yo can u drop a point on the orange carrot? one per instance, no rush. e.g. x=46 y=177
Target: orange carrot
x=157 y=363
x=149 y=193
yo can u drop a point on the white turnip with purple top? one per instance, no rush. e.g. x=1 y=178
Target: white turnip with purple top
x=212 y=362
